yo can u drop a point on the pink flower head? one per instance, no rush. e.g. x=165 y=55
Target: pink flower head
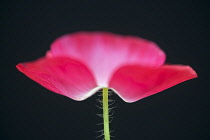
x=79 y=64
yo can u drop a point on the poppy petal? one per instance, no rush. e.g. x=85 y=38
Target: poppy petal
x=62 y=75
x=104 y=53
x=134 y=82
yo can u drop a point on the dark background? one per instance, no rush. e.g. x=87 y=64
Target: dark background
x=31 y=112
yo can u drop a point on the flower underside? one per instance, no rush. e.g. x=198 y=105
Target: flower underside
x=79 y=64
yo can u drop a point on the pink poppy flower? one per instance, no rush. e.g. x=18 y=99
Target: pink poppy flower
x=79 y=64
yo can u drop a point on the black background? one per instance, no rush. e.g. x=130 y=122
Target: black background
x=31 y=112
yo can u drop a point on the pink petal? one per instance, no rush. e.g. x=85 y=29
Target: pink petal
x=134 y=82
x=62 y=75
x=104 y=53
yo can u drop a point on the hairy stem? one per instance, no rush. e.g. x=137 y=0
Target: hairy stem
x=106 y=114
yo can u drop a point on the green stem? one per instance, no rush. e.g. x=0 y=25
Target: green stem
x=106 y=114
